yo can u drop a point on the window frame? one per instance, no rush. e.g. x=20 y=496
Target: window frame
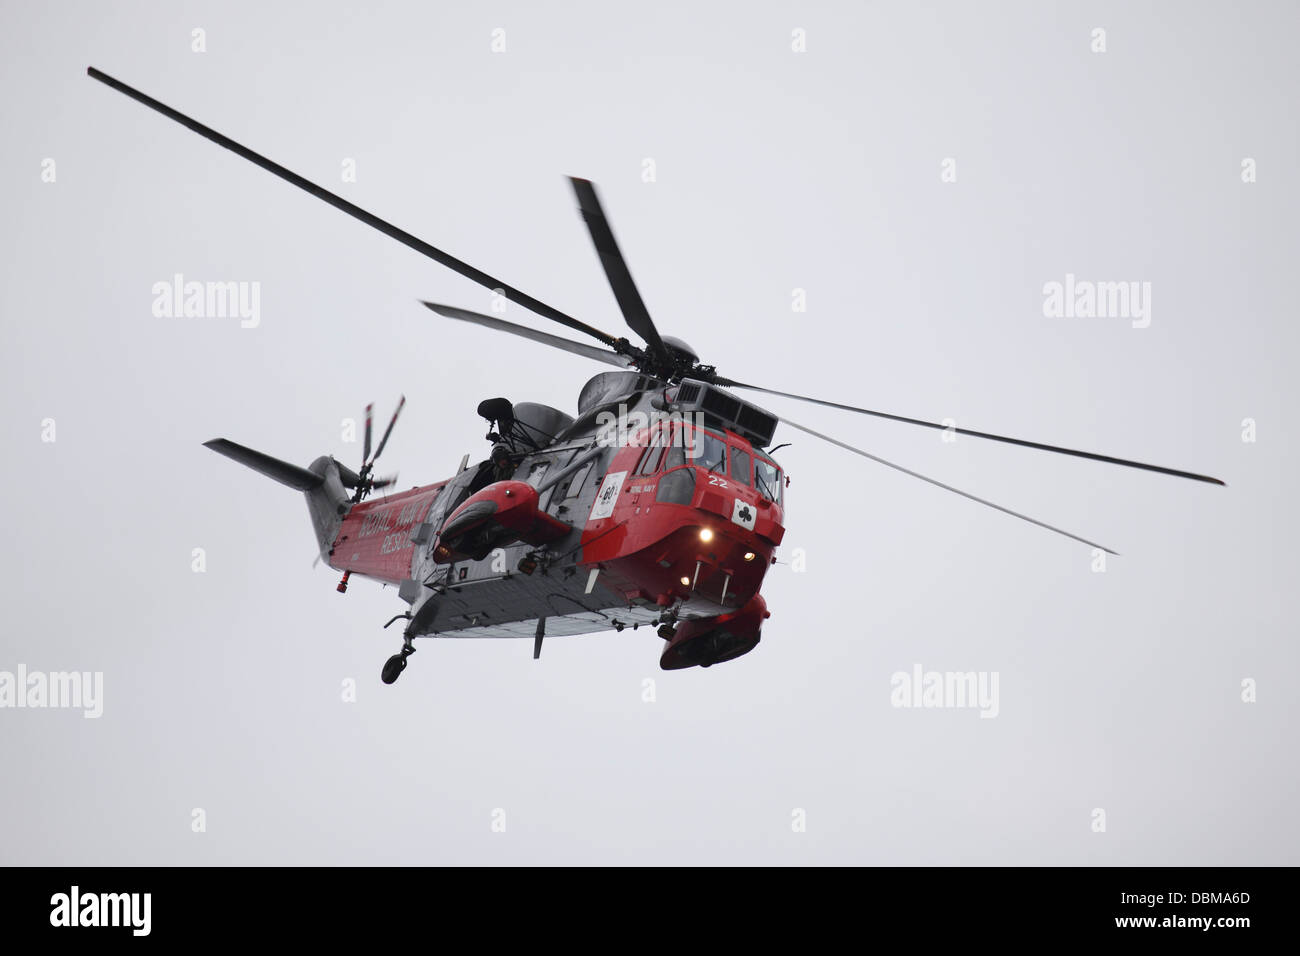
x=780 y=476
x=654 y=452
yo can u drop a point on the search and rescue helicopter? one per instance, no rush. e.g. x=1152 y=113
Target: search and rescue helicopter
x=659 y=504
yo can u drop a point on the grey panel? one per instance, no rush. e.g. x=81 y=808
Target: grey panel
x=585 y=623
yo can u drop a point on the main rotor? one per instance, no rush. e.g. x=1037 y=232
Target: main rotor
x=662 y=357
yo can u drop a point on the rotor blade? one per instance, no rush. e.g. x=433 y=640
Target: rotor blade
x=338 y=202
x=384 y=482
x=728 y=383
x=370 y=414
x=940 y=484
x=388 y=431
x=616 y=270
x=523 y=331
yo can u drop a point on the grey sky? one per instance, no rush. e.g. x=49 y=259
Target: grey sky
x=774 y=171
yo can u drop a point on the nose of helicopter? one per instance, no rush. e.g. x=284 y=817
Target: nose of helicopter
x=714 y=554
x=717 y=561
x=689 y=537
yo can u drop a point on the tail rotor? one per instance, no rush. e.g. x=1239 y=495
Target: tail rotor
x=364 y=483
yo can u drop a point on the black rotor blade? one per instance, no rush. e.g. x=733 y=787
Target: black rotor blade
x=729 y=383
x=940 y=484
x=370 y=414
x=609 y=357
x=338 y=202
x=388 y=431
x=384 y=482
x=620 y=277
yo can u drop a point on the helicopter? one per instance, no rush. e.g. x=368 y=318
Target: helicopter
x=660 y=504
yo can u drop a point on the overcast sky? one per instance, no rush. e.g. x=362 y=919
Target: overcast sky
x=736 y=169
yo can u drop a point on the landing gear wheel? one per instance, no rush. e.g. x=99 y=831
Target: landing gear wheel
x=667 y=631
x=393 y=668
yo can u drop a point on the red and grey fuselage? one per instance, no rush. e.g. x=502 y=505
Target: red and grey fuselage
x=645 y=509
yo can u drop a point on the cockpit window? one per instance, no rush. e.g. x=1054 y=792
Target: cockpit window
x=675 y=457
x=710 y=451
x=650 y=459
x=767 y=477
x=740 y=466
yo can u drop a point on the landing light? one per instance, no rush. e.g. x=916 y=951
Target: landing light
x=706 y=534
x=686 y=582
x=749 y=555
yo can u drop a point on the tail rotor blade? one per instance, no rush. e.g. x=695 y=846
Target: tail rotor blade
x=389 y=430
x=370 y=414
